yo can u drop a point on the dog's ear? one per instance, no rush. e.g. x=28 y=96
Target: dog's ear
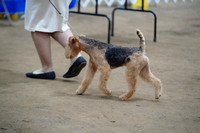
x=73 y=39
x=74 y=42
x=76 y=37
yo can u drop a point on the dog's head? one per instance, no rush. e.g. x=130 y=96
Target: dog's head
x=73 y=47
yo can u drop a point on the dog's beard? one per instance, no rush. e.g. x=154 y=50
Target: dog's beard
x=69 y=54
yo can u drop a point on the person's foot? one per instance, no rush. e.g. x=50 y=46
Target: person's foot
x=47 y=75
x=75 y=68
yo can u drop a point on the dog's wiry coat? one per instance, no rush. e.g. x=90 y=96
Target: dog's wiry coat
x=115 y=55
x=104 y=57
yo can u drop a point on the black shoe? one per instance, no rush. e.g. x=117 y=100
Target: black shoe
x=75 y=68
x=48 y=75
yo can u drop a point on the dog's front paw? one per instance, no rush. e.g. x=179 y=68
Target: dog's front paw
x=110 y=93
x=79 y=92
x=158 y=94
x=107 y=92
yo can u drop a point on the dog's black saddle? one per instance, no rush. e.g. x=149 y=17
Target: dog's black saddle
x=118 y=56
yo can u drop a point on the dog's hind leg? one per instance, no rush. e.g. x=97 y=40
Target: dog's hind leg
x=104 y=76
x=131 y=76
x=146 y=75
x=87 y=79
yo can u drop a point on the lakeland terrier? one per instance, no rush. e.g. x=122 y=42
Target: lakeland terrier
x=104 y=57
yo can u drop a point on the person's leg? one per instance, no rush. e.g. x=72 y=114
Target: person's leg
x=42 y=44
x=62 y=37
x=78 y=62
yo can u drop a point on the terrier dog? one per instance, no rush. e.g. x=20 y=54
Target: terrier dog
x=105 y=57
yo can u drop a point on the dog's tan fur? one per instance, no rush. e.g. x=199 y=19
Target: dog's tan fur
x=137 y=64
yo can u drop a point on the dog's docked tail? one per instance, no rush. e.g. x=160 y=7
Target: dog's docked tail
x=142 y=40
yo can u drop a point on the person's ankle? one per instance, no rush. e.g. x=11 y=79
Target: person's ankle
x=47 y=69
x=75 y=58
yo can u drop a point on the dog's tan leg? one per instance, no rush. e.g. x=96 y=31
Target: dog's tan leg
x=104 y=76
x=146 y=74
x=131 y=76
x=87 y=79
